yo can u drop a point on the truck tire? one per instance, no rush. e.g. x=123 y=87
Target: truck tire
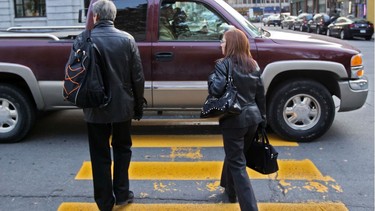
x=300 y=110
x=17 y=114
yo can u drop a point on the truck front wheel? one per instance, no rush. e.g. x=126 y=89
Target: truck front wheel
x=301 y=110
x=17 y=114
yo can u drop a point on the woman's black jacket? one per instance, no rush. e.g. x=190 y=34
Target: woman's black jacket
x=251 y=94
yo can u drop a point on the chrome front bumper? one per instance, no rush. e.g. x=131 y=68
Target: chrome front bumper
x=353 y=94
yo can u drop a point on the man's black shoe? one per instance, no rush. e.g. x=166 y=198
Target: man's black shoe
x=127 y=201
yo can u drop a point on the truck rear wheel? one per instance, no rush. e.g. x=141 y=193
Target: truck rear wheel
x=301 y=110
x=17 y=114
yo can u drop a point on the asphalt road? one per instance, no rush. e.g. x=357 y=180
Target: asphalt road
x=47 y=170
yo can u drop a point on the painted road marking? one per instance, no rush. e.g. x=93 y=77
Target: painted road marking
x=209 y=170
x=293 y=175
x=193 y=141
x=310 y=206
x=149 y=121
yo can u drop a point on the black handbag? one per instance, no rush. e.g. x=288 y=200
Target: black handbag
x=261 y=155
x=227 y=104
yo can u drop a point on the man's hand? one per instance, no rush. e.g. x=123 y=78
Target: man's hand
x=138 y=110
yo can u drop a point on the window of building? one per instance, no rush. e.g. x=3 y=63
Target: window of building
x=86 y=3
x=30 y=8
x=86 y=6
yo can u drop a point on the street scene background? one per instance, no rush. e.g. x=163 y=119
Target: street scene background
x=178 y=163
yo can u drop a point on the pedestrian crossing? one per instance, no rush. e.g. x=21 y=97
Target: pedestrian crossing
x=209 y=170
x=330 y=206
x=178 y=166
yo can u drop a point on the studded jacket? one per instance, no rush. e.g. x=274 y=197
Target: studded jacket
x=250 y=90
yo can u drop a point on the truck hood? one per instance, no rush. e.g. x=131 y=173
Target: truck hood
x=286 y=38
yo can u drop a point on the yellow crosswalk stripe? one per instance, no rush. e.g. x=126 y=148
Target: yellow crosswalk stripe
x=327 y=206
x=193 y=141
x=290 y=175
x=209 y=170
x=174 y=122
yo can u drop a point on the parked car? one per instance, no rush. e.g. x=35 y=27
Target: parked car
x=288 y=22
x=346 y=28
x=265 y=19
x=284 y=15
x=301 y=22
x=274 y=20
x=255 y=19
x=319 y=23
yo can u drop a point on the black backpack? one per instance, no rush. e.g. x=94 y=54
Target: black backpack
x=85 y=84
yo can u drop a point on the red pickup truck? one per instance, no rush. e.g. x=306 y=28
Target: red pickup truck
x=301 y=72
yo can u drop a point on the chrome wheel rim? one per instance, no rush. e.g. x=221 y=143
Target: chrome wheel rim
x=302 y=112
x=8 y=116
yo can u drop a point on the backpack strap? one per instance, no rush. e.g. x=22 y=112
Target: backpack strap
x=87 y=35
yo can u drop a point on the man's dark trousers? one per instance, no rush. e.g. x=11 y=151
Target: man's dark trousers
x=105 y=193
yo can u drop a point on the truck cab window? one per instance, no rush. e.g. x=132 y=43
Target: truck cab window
x=30 y=8
x=189 y=21
x=131 y=17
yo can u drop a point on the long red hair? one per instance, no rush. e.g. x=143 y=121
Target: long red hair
x=237 y=48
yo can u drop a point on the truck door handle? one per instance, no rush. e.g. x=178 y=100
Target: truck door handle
x=164 y=56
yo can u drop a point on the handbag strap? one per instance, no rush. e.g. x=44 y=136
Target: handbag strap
x=261 y=136
x=229 y=72
x=264 y=136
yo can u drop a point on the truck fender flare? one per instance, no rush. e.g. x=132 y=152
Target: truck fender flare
x=275 y=68
x=28 y=76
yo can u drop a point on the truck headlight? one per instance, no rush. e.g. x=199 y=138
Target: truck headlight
x=356 y=65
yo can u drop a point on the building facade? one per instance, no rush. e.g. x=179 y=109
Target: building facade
x=355 y=8
x=260 y=7
x=40 y=12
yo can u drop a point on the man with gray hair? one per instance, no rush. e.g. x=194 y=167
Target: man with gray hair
x=111 y=124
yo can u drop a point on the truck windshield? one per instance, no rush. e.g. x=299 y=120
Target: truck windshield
x=252 y=30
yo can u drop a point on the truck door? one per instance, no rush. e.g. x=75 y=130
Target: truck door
x=132 y=17
x=185 y=48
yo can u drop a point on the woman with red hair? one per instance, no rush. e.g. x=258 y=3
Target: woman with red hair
x=239 y=130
